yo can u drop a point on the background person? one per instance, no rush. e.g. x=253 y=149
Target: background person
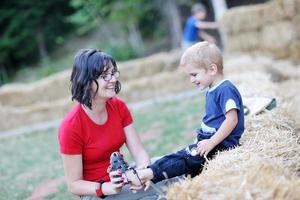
x=193 y=30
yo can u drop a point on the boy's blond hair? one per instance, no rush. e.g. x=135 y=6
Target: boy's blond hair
x=202 y=55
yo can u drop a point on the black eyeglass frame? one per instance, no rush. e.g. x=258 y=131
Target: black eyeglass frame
x=108 y=77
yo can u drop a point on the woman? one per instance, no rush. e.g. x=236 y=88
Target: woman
x=97 y=126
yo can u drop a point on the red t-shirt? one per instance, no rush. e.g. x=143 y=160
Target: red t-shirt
x=78 y=134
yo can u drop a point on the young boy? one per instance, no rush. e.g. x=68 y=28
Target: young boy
x=193 y=29
x=222 y=125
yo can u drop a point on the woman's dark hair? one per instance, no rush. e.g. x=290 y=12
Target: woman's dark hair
x=89 y=64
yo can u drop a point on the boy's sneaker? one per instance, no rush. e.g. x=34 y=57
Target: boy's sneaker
x=191 y=149
x=117 y=162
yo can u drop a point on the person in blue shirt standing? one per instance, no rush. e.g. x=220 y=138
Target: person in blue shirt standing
x=221 y=127
x=193 y=30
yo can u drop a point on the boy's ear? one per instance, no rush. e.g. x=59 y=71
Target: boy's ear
x=213 y=69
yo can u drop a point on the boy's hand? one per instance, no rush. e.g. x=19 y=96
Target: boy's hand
x=147 y=185
x=205 y=146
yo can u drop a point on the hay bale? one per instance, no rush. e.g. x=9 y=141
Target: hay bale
x=57 y=86
x=243 y=41
x=45 y=90
x=154 y=86
x=249 y=74
x=33 y=114
x=246 y=63
x=149 y=66
x=271 y=28
x=264 y=167
x=251 y=19
x=284 y=68
x=41 y=100
x=295 y=50
x=256 y=178
x=276 y=39
x=278 y=10
x=254 y=84
x=289 y=91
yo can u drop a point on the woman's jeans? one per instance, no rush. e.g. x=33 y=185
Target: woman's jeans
x=127 y=194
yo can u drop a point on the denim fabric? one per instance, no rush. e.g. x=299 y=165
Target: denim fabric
x=180 y=163
x=127 y=194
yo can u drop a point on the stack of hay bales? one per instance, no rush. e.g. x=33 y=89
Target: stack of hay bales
x=25 y=104
x=272 y=28
x=153 y=76
x=267 y=165
x=49 y=99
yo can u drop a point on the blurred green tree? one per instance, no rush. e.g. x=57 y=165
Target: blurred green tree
x=29 y=29
x=144 y=21
x=126 y=13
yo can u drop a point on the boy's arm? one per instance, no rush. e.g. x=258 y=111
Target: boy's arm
x=205 y=36
x=205 y=146
x=207 y=25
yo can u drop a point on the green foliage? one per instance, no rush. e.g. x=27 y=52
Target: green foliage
x=29 y=74
x=144 y=16
x=20 y=23
x=87 y=14
x=92 y=12
x=120 y=52
x=3 y=76
x=29 y=29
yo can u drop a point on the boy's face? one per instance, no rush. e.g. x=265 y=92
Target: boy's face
x=199 y=76
x=200 y=15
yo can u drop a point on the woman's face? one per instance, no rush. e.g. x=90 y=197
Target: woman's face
x=106 y=84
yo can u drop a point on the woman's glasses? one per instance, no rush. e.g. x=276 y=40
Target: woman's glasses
x=108 y=77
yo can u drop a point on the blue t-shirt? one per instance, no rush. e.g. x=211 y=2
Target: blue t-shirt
x=219 y=100
x=190 y=33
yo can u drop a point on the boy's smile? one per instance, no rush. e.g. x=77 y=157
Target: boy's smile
x=199 y=76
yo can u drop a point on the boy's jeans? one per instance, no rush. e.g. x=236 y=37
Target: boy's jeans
x=180 y=163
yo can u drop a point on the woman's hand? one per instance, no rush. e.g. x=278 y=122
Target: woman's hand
x=115 y=185
x=135 y=183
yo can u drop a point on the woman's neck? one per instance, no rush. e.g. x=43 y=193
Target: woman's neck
x=99 y=105
x=98 y=113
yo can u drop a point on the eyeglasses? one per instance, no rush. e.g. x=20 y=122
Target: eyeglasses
x=108 y=77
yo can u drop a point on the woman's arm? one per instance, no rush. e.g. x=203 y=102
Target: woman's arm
x=78 y=186
x=73 y=172
x=135 y=146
